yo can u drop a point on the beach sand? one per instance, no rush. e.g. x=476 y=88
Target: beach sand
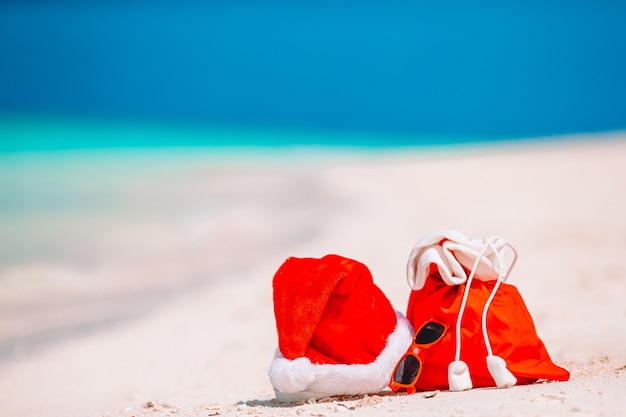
x=151 y=296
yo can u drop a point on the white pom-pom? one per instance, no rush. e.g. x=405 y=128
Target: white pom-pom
x=500 y=374
x=291 y=375
x=459 y=376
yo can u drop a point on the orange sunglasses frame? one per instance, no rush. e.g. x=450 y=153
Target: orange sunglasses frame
x=414 y=350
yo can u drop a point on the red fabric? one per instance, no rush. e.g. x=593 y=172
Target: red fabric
x=510 y=328
x=330 y=311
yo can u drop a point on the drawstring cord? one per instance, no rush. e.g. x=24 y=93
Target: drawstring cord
x=468 y=284
x=458 y=372
x=503 y=273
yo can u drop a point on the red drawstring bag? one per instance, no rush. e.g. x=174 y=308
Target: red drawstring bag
x=481 y=333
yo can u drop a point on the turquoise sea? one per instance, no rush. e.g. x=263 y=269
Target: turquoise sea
x=27 y=134
x=372 y=73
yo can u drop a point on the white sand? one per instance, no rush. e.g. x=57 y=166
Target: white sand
x=177 y=319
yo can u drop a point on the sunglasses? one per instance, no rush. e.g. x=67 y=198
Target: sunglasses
x=408 y=370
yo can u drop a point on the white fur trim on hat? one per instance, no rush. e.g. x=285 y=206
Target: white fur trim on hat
x=299 y=379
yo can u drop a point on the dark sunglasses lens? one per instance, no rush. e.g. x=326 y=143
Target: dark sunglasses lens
x=407 y=370
x=430 y=333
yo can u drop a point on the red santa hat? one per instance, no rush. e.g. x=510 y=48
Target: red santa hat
x=337 y=332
